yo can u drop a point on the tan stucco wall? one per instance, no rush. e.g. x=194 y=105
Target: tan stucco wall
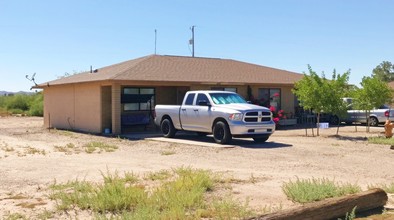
x=106 y=107
x=75 y=107
x=287 y=101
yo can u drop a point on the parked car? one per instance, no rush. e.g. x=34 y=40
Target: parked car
x=376 y=116
x=223 y=114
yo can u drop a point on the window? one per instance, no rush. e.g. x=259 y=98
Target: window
x=226 y=98
x=189 y=99
x=229 y=89
x=202 y=97
x=270 y=97
x=138 y=99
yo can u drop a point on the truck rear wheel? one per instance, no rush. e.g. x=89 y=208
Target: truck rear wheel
x=221 y=133
x=167 y=128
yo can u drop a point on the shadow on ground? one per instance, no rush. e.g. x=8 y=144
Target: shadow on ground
x=348 y=138
x=194 y=139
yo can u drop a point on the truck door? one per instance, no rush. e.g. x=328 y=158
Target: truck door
x=202 y=113
x=187 y=112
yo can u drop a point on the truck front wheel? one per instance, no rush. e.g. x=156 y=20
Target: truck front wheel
x=167 y=128
x=261 y=139
x=221 y=133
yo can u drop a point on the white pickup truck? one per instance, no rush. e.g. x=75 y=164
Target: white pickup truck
x=223 y=114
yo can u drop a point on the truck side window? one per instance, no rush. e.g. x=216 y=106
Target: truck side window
x=189 y=99
x=202 y=97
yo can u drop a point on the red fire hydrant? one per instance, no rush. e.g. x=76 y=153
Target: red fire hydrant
x=388 y=129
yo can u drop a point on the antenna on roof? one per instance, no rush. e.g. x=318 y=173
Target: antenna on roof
x=155 y=40
x=191 y=41
x=32 y=78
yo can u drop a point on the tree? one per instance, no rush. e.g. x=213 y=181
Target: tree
x=374 y=93
x=337 y=88
x=321 y=95
x=384 y=71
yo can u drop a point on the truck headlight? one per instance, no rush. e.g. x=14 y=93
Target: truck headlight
x=235 y=117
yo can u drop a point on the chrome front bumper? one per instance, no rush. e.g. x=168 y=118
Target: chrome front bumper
x=240 y=128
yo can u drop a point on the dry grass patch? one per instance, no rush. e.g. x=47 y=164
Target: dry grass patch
x=388 y=188
x=316 y=189
x=96 y=146
x=68 y=149
x=180 y=194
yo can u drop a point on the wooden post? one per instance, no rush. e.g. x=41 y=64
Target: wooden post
x=332 y=208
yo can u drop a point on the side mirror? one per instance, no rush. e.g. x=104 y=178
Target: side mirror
x=203 y=103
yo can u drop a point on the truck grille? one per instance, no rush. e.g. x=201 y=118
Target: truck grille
x=257 y=116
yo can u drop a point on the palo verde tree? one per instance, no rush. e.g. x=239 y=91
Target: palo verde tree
x=374 y=93
x=320 y=94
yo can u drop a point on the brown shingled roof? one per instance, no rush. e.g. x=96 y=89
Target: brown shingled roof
x=184 y=69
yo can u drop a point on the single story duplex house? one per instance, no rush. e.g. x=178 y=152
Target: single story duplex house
x=124 y=94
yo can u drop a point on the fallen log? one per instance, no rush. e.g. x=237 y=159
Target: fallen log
x=332 y=208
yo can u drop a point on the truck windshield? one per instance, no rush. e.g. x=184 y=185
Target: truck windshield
x=226 y=98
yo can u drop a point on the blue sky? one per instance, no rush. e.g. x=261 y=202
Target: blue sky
x=51 y=38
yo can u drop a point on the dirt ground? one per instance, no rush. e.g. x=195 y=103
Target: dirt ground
x=30 y=160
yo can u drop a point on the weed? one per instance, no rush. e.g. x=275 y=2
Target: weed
x=309 y=190
x=351 y=215
x=160 y=175
x=227 y=208
x=388 y=188
x=130 y=177
x=381 y=140
x=15 y=216
x=181 y=197
x=45 y=215
x=271 y=209
x=167 y=152
x=91 y=147
x=32 y=150
x=65 y=133
x=67 y=149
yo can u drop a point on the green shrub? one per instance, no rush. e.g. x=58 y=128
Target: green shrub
x=18 y=102
x=36 y=105
x=309 y=190
x=22 y=104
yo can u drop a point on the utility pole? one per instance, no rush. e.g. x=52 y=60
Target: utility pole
x=155 y=40
x=192 y=40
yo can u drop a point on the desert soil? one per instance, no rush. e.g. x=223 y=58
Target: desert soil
x=30 y=161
